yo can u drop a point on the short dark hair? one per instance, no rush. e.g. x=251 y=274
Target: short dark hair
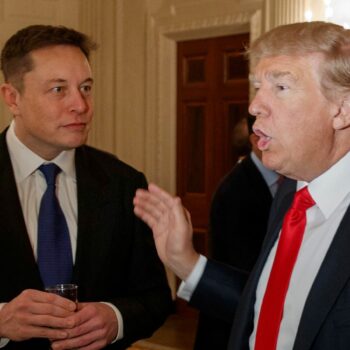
x=15 y=56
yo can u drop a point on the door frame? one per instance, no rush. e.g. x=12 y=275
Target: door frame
x=162 y=36
x=163 y=32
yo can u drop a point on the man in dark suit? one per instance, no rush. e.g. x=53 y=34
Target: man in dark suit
x=302 y=107
x=238 y=222
x=240 y=209
x=123 y=293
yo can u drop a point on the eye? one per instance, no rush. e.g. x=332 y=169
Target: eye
x=256 y=87
x=86 y=89
x=57 y=89
x=281 y=87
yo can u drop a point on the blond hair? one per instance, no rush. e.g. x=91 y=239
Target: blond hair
x=329 y=39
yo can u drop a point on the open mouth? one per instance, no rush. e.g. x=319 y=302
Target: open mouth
x=264 y=139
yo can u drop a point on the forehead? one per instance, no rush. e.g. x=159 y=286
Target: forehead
x=292 y=68
x=56 y=58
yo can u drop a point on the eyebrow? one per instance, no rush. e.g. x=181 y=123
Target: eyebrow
x=274 y=75
x=88 y=80
x=58 y=80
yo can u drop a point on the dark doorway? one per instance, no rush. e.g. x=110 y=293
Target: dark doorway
x=213 y=94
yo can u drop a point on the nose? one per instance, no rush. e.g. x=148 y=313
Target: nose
x=258 y=106
x=79 y=102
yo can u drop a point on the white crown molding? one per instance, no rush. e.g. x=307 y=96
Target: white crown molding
x=162 y=34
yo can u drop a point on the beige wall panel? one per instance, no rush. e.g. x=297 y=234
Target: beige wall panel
x=101 y=19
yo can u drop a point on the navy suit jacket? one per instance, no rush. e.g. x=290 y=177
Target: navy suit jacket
x=116 y=260
x=325 y=321
x=239 y=215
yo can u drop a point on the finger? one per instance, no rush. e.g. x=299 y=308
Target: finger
x=30 y=331
x=51 y=310
x=34 y=297
x=149 y=209
x=155 y=196
x=145 y=216
x=86 y=331
x=150 y=202
x=42 y=321
x=156 y=201
x=181 y=215
x=89 y=341
x=188 y=216
x=163 y=196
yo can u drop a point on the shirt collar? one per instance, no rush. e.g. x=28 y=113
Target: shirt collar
x=330 y=188
x=25 y=161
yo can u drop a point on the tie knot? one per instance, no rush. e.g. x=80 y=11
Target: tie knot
x=50 y=172
x=303 y=200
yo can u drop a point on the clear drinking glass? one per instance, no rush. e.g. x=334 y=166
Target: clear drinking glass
x=69 y=291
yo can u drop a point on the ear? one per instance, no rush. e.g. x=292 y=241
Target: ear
x=342 y=119
x=10 y=95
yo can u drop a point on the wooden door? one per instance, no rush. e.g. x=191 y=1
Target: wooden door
x=213 y=94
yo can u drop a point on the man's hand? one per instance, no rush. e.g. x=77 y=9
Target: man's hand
x=95 y=326
x=36 y=314
x=171 y=226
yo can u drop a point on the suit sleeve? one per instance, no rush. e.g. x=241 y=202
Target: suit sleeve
x=219 y=290
x=148 y=300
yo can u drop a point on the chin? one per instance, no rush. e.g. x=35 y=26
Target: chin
x=269 y=161
x=76 y=142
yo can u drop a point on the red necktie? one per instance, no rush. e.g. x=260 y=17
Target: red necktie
x=271 y=311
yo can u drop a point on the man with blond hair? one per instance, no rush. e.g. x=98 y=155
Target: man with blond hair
x=298 y=294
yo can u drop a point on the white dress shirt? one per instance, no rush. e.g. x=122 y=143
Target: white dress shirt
x=331 y=193
x=31 y=185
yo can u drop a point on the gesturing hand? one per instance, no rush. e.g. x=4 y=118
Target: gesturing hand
x=171 y=226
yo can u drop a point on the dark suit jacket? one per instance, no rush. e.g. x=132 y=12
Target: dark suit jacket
x=116 y=259
x=325 y=321
x=238 y=223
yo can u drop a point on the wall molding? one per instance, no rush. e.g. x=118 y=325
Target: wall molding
x=163 y=32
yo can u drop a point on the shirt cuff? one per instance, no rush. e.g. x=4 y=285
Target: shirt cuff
x=120 y=333
x=187 y=287
x=3 y=341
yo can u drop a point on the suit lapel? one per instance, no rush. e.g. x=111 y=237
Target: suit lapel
x=330 y=280
x=243 y=325
x=93 y=199
x=15 y=245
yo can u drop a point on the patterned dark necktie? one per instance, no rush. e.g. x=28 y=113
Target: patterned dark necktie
x=271 y=311
x=54 y=254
